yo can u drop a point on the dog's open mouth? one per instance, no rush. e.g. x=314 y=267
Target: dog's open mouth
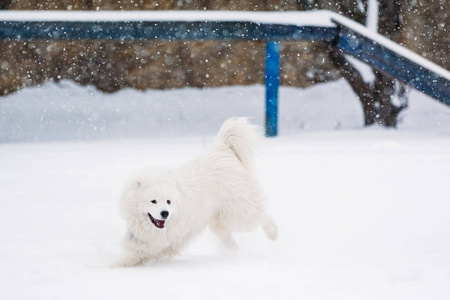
x=158 y=223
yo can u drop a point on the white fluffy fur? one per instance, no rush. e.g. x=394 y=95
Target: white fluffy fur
x=216 y=189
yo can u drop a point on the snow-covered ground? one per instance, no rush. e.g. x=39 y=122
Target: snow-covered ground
x=363 y=213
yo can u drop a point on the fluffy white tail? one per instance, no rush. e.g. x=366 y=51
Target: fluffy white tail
x=241 y=136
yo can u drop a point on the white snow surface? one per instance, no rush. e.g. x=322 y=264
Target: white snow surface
x=362 y=212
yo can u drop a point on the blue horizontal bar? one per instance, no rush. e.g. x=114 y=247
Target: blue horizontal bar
x=139 y=30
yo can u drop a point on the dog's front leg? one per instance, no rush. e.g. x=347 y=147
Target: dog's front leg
x=131 y=259
x=134 y=253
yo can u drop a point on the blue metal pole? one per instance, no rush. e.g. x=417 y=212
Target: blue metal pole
x=272 y=84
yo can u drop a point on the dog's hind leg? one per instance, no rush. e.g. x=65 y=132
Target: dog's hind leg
x=223 y=233
x=270 y=228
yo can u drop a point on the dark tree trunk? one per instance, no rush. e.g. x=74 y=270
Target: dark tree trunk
x=362 y=89
x=385 y=87
x=377 y=99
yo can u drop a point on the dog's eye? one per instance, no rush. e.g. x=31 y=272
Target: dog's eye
x=168 y=202
x=154 y=201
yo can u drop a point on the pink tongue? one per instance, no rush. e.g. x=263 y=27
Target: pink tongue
x=160 y=223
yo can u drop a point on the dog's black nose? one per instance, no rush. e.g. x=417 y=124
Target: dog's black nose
x=164 y=214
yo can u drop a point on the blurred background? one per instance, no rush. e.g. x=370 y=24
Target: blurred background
x=422 y=26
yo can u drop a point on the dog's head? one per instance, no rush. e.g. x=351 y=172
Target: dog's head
x=150 y=200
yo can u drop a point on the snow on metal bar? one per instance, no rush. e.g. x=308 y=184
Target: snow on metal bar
x=311 y=18
x=424 y=78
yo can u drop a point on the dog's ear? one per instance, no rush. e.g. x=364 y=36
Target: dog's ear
x=140 y=183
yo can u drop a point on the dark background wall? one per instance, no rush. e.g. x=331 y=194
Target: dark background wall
x=111 y=66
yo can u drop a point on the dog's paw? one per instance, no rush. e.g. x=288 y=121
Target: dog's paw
x=121 y=264
x=230 y=243
x=127 y=262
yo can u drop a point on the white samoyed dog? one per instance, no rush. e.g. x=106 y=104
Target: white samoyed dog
x=165 y=208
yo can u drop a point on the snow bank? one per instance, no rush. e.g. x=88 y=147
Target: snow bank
x=67 y=111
